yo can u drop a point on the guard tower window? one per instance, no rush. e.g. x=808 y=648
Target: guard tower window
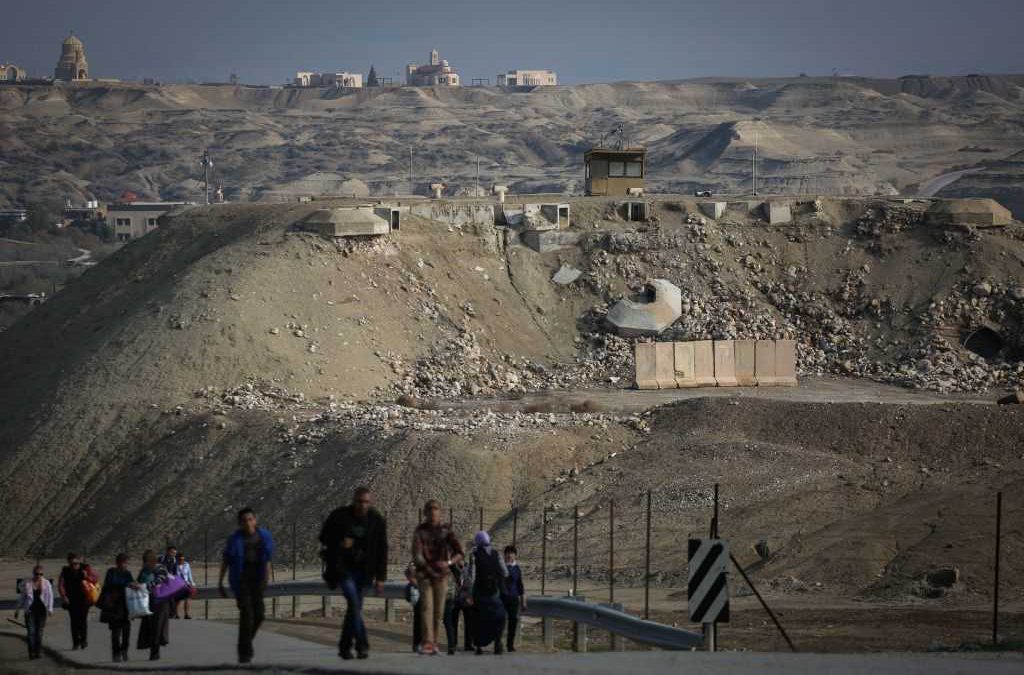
x=616 y=169
x=634 y=169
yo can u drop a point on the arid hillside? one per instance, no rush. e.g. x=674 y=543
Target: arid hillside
x=229 y=359
x=813 y=136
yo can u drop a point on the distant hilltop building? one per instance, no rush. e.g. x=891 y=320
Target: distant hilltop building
x=340 y=80
x=528 y=78
x=72 y=65
x=11 y=73
x=433 y=74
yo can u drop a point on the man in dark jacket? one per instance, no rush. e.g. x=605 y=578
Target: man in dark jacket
x=354 y=543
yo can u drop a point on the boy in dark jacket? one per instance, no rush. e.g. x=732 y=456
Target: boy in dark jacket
x=354 y=542
x=513 y=595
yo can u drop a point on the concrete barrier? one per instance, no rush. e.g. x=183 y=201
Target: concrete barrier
x=712 y=209
x=684 y=366
x=664 y=364
x=745 y=363
x=764 y=363
x=785 y=363
x=777 y=213
x=703 y=363
x=725 y=363
x=646 y=369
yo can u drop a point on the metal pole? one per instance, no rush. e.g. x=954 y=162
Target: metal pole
x=481 y=518
x=575 y=549
x=764 y=604
x=611 y=551
x=295 y=560
x=411 y=189
x=451 y=516
x=543 y=550
x=711 y=629
x=753 y=166
x=477 y=194
x=206 y=570
x=647 y=563
x=995 y=589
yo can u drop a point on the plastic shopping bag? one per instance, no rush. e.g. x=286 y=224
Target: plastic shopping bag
x=138 y=602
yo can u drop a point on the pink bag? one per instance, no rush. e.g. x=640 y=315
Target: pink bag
x=172 y=589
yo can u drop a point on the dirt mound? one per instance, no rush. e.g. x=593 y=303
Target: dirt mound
x=228 y=359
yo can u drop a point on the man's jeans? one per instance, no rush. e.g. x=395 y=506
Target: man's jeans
x=353 y=586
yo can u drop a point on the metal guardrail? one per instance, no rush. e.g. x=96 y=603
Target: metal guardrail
x=600 y=617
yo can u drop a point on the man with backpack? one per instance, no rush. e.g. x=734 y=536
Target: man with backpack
x=354 y=547
x=484 y=578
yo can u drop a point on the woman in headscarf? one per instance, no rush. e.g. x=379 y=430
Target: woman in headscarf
x=483 y=579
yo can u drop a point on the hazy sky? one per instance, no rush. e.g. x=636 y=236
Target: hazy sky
x=583 y=40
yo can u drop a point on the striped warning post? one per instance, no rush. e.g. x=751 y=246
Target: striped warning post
x=708 y=588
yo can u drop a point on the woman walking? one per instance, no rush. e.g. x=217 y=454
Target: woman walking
x=154 y=630
x=435 y=548
x=484 y=576
x=113 y=605
x=37 y=603
x=185 y=572
x=71 y=587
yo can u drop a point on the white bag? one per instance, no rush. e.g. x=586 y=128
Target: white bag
x=138 y=602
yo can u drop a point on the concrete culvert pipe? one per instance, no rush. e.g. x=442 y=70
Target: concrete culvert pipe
x=984 y=341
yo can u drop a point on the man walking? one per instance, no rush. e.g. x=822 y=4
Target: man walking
x=247 y=559
x=354 y=543
x=435 y=548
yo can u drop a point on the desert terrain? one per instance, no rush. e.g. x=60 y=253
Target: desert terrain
x=229 y=359
x=837 y=136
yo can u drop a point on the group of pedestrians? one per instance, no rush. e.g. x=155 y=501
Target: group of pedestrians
x=485 y=588
x=445 y=582
x=79 y=591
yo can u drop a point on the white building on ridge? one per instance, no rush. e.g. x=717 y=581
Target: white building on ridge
x=528 y=78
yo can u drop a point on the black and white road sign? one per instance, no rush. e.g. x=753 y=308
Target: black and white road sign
x=708 y=586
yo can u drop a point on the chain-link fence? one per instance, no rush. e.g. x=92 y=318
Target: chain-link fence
x=633 y=551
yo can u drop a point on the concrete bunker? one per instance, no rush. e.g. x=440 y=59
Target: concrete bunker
x=348 y=221
x=649 y=312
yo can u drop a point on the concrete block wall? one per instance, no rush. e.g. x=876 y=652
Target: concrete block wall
x=718 y=363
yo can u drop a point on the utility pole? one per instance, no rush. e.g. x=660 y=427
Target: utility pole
x=477 y=176
x=206 y=163
x=753 y=166
x=411 y=190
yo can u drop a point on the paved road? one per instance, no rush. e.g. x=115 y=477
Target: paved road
x=200 y=645
x=934 y=186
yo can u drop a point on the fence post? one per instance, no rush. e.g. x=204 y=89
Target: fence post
x=543 y=550
x=206 y=570
x=611 y=551
x=515 y=525
x=647 y=563
x=295 y=560
x=995 y=589
x=575 y=549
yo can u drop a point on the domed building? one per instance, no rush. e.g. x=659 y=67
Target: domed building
x=11 y=73
x=72 y=65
